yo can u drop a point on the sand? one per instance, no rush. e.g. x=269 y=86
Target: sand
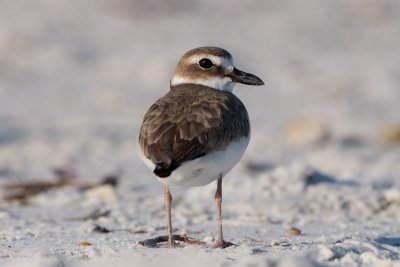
x=76 y=78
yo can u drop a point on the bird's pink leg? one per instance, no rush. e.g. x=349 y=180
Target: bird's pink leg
x=168 y=200
x=218 y=200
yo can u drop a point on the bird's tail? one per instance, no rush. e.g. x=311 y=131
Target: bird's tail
x=163 y=170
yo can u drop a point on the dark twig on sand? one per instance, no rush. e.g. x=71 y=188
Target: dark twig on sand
x=64 y=176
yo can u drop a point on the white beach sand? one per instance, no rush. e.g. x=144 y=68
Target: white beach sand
x=76 y=78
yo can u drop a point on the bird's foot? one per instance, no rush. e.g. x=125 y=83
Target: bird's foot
x=171 y=244
x=223 y=244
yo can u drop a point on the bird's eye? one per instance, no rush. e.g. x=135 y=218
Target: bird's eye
x=205 y=63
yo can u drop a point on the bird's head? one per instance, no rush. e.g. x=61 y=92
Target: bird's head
x=212 y=67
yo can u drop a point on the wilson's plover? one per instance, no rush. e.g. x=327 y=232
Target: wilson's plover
x=199 y=130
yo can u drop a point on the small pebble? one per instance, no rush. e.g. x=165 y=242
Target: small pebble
x=294 y=231
x=85 y=244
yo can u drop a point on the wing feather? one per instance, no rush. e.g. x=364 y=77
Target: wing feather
x=189 y=122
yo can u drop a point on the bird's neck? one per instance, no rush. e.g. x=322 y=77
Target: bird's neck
x=223 y=84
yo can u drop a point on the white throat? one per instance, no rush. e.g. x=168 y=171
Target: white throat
x=224 y=84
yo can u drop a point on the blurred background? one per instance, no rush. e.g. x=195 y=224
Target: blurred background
x=76 y=78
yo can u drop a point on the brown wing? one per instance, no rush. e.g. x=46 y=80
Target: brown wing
x=190 y=122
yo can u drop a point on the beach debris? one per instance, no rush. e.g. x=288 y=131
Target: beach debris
x=293 y=231
x=101 y=229
x=21 y=192
x=153 y=242
x=85 y=244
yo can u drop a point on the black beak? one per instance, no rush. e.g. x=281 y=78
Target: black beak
x=239 y=76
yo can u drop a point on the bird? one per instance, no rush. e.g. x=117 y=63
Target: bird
x=198 y=131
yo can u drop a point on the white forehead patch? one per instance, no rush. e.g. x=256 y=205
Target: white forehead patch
x=225 y=63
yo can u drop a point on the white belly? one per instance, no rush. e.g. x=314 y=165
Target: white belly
x=204 y=170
